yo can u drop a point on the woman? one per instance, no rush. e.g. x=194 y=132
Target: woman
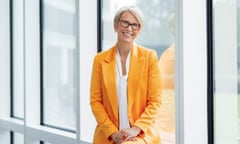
x=125 y=86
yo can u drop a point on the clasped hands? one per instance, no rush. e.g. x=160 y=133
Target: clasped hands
x=128 y=134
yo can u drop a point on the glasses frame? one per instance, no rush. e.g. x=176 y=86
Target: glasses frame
x=126 y=24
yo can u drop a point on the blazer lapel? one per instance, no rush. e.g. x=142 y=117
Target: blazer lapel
x=109 y=78
x=135 y=75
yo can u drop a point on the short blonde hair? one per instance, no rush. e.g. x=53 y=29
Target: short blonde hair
x=135 y=11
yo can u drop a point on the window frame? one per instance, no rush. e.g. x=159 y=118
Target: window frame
x=11 y=57
x=41 y=39
x=11 y=47
x=210 y=81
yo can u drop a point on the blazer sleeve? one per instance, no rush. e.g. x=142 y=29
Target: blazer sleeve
x=96 y=100
x=148 y=118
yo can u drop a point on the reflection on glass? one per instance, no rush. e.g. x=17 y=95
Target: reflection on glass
x=167 y=112
x=158 y=34
x=226 y=71
x=59 y=57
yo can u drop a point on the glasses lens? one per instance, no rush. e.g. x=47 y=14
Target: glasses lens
x=126 y=24
x=134 y=26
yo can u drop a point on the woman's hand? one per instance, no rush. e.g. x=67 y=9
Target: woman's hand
x=130 y=134
x=118 y=137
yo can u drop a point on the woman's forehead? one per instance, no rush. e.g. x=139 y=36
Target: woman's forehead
x=128 y=16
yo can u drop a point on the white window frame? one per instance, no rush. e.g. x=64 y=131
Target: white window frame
x=191 y=72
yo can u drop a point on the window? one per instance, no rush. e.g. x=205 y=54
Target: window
x=20 y=75
x=58 y=63
x=226 y=66
x=17 y=59
x=16 y=138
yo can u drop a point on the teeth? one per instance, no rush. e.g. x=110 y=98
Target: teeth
x=127 y=34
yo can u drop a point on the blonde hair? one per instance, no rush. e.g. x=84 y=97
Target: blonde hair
x=135 y=11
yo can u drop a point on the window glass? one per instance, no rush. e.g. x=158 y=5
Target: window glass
x=59 y=63
x=157 y=34
x=226 y=58
x=5 y=137
x=17 y=138
x=17 y=57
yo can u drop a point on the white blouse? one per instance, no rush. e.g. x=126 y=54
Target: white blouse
x=122 y=92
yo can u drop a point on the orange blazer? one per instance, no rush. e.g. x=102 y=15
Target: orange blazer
x=144 y=94
x=167 y=112
x=166 y=64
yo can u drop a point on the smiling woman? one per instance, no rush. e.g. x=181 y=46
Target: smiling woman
x=155 y=34
x=47 y=48
x=125 y=86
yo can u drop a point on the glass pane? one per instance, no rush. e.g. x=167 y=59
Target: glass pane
x=17 y=59
x=158 y=34
x=18 y=138
x=59 y=57
x=5 y=136
x=226 y=71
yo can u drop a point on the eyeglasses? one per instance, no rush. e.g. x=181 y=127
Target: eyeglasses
x=126 y=24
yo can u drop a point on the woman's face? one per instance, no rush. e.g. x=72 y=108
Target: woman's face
x=127 y=28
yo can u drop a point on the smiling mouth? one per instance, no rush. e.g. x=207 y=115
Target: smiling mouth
x=127 y=34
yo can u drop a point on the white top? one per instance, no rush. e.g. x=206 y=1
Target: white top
x=122 y=92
